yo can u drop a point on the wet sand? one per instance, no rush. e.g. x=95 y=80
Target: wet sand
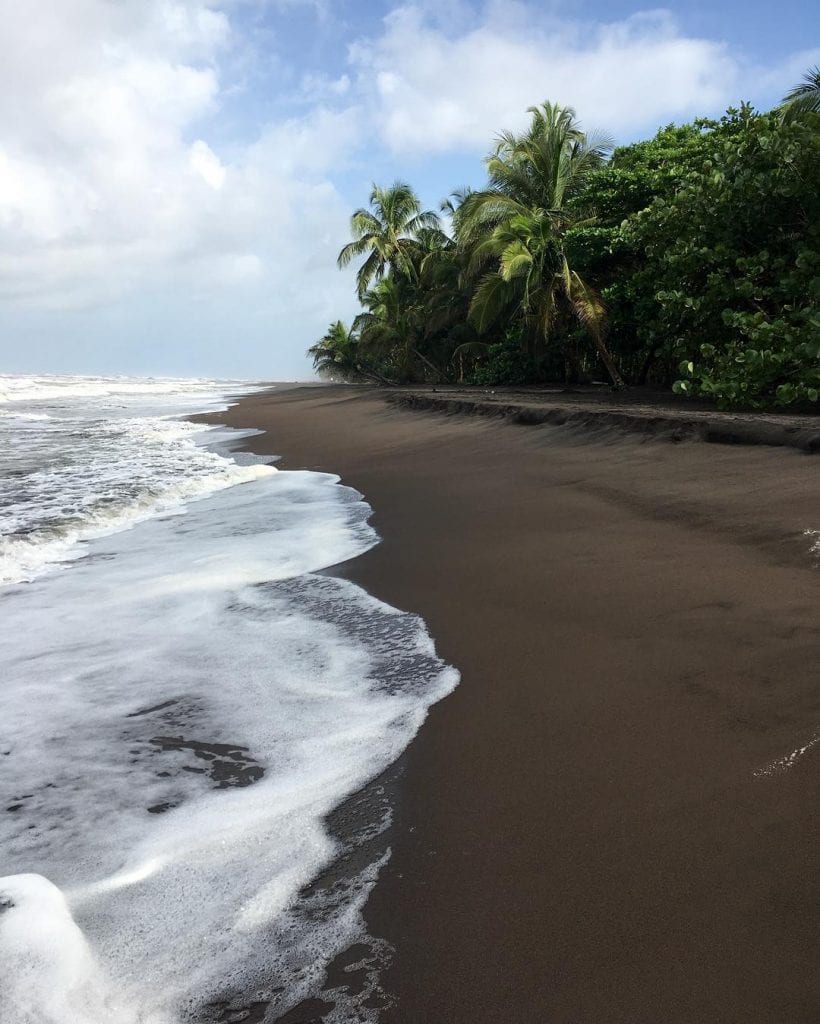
x=593 y=828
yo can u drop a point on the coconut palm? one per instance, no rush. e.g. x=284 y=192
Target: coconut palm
x=448 y=335
x=339 y=353
x=391 y=329
x=803 y=98
x=515 y=231
x=387 y=234
x=335 y=355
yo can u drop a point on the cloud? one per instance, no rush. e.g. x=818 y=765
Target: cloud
x=113 y=192
x=440 y=83
x=168 y=168
x=207 y=164
x=96 y=175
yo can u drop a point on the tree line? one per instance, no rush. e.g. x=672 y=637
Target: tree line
x=690 y=260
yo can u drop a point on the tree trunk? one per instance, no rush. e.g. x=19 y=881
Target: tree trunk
x=573 y=371
x=427 y=362
x=617 y=380
x=647 y=366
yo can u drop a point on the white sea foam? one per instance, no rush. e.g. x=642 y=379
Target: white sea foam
x=47 y=970
x=51 y=387
x=815 y=539
x=783 y=764
x=30 y=416
x=82 y=457
x=24 y=556
x=180 y=712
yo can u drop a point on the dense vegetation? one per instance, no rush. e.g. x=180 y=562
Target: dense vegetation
x=690 y=261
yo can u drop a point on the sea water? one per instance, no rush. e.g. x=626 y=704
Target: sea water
x=185 y=698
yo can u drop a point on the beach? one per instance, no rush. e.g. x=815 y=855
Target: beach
x=611 y=818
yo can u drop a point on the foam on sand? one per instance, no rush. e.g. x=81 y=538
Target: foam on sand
x=180 y=713
x=48 y=972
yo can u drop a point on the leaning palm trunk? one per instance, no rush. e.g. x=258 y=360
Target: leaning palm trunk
x=591 y=311
x=609 y=362
x=428 y=363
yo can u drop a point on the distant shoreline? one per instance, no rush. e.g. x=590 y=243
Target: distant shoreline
x=582 y=831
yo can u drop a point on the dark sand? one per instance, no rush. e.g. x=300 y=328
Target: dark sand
x=581 y=836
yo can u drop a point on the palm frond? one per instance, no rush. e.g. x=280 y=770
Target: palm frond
x=516 y=260
x=805 y=97
x=353 y=249
x=372 y=268
x=586 y=303
x=492 y=297
x=542 y=310
x=471 y=348
x=427 y=220
x=363 y=222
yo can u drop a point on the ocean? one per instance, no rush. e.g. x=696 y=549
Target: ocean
x=186 y=700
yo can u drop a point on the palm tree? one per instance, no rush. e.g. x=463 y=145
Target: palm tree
x=448 y=335
x=391 y=331
x=339 y=354
x=335 y=352
x=803 y=98
x=387 y=234
x=515 y=229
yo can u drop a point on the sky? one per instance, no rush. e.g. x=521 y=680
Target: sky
x=177 y=176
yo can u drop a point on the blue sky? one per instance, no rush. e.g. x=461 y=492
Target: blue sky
x=176 y=176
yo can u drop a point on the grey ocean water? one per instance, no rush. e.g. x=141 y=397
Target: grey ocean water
x=185 y=697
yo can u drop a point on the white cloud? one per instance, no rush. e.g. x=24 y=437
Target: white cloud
x=778 y=80
x=122 y=204
x=444 y=83
x=112 y=192
x=92 y=150
x=207 y=164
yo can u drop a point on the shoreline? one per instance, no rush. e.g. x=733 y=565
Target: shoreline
x=580 y=834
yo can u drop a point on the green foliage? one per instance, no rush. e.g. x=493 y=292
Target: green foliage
x=505 y=362
x=689 y=260
x=608 y=254
x=335 y=354
x=387 y=234
x=340 y=355
x=729 y=277
x=514 y=231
